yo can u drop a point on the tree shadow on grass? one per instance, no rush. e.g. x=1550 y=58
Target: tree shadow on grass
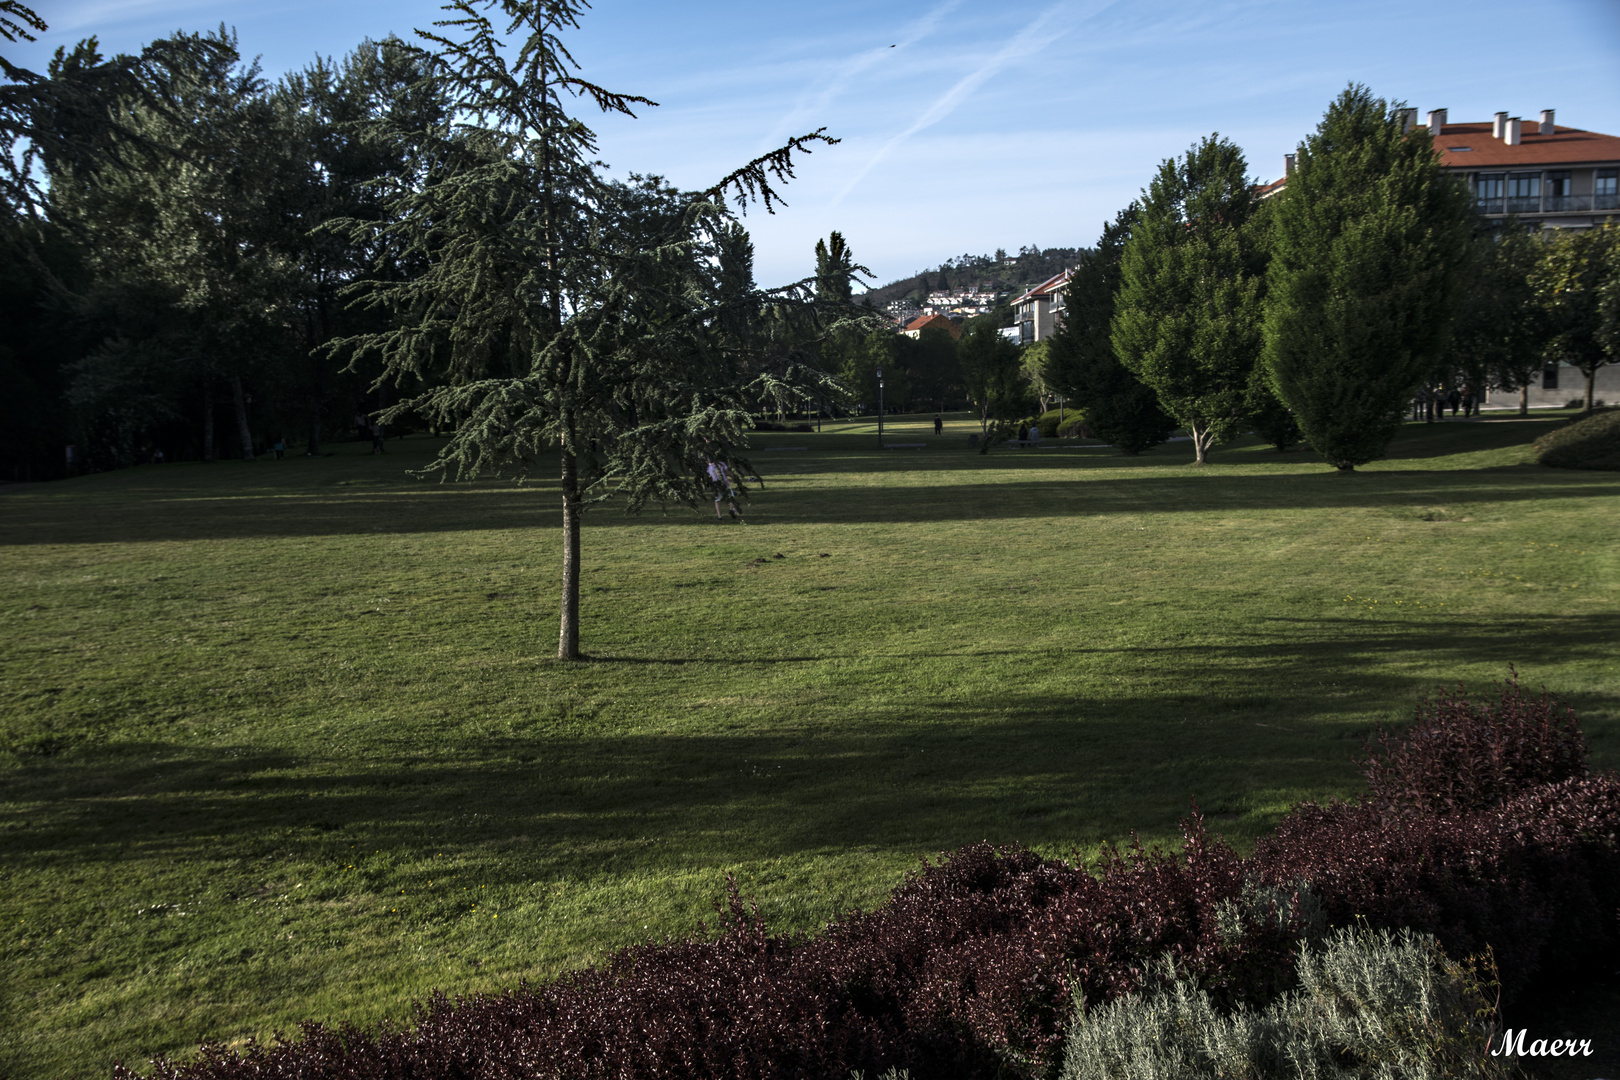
x=1080 y=492
x=1278 y=712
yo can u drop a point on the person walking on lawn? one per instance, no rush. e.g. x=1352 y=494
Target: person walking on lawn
x=720 y=477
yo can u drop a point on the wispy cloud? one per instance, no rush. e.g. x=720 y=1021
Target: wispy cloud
x=1041 y=33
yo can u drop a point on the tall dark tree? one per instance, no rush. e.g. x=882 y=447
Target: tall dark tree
x=194 y=228
x=1500 y=329
x=543 y=335
x=342 y=161
x=1369 y=238
x=1119 y=408
x=1577 y=286
x=1188 y=313
x=835 y=269
x=75 y=114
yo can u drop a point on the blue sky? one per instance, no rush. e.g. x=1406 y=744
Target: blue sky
x=988 y=123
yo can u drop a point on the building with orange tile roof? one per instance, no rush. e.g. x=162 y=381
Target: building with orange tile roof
x=915 y=327
x=1548 y=176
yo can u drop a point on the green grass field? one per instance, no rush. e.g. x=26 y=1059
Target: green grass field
x=285 y=740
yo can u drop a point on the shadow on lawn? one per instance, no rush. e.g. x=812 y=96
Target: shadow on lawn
x=1272 y=714
x=1086 y=489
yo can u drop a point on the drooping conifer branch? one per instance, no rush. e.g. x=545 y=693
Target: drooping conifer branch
x=752 y=182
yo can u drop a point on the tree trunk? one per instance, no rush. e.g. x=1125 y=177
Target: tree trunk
x=208 y=418
x=1201 y=443
x=1591 y=379
x=242 y=431
x=1524 y=399
x=568 y=629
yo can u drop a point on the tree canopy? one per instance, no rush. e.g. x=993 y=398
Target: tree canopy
x=1188 y=314
x=1577 y=285
x=1119 y=408
x=1369 y=239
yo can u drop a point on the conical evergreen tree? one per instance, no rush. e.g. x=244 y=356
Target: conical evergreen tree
x=559 y=319
x=1368 y=245
x=1119 y=408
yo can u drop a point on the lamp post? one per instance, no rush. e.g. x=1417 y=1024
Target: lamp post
x=880 y=408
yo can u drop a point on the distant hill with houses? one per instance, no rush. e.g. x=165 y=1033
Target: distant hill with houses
x=1002 y=274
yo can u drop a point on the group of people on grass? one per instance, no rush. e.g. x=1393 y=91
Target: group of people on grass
x=1431 y=402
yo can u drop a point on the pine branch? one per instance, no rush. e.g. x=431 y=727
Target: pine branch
x=752 y=182
x=11 y=29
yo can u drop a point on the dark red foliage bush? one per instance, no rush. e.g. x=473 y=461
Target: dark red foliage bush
x=1482 y=828
x=1467 y=753
x=1537 y=879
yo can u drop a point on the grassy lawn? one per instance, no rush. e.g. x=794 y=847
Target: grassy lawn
x=285 y=740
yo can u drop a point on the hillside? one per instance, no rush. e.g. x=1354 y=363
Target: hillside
x=1007 y=273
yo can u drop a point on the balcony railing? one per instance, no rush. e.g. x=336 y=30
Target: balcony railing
x=1549 y=204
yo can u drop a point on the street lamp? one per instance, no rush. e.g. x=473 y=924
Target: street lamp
x=880 y=408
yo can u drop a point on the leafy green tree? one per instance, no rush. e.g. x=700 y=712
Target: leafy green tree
x=75 y=115
x=1500 y=330
x=555 y=321
x=1577 y=285
x=195 y=227
x=1369 y=239
x=991 y=370
x=1035 y=360
x=933 y=372
x=1082 y=366
x=341 y=162
x=1188 y=313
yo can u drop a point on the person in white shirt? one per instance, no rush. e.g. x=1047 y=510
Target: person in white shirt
x=720 y=477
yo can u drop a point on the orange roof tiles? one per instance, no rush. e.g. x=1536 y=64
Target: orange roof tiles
x=1472 y=147
x=926 y=321
x=1565 y=146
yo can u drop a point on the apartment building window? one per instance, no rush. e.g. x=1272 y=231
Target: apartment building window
x=1604 y=192
x=1523 y=192
x=1549 y=377
x=1558 y=195
x=1488 y=190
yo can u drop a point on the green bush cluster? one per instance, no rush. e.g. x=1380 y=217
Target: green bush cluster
x=1371 y=1005
x=1076 y=425
x=1592 y=442
x=1053 y=423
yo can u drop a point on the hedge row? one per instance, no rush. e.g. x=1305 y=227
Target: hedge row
x=973 y=966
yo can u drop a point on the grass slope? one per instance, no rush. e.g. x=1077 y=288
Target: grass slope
x=284 y=740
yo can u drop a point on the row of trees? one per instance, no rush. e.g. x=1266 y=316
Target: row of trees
x=423 y=225
x=1320 y=312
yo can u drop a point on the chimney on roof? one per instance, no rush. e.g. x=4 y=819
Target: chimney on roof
x=1546 y=122
x=1408 y=120
x=1288 y=166
x=1514 y=131
x=1499 y=126
x=1437 y=121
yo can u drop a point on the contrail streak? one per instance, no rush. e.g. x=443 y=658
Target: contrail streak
x=1027 y=42
x=840 y=79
